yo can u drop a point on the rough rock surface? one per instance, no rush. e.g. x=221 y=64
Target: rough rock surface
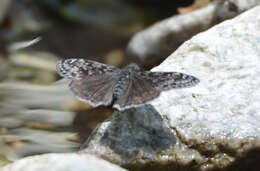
x=62 y=162
x=158 y=41
x=213 y=126
x=131 y=135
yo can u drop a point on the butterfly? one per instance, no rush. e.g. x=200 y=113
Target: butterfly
x=101 y=84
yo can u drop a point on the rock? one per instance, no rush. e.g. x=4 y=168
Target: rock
x=62 y=162
x=137 y=132
x=213 y=126
x=155 y=43
x=3 y=161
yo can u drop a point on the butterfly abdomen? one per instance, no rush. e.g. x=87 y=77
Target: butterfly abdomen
x=121 y=85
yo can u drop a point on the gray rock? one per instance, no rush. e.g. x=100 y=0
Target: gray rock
x=155 y=43
x=213 y=126
x=62 y=162
x=130 y=133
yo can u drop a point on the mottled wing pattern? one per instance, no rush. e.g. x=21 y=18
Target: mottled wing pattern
x=91 y=81
x=76 y=68
x=169 y=80
x=137 y=91
x=98 y=84
x=96 y=90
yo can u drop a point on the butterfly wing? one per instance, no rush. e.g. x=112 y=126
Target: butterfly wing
x=91 y=81
x=94 y=90
x=76 y=68
x=136 y=92
x=169 y=80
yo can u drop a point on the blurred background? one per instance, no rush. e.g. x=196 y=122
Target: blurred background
x=37 y=113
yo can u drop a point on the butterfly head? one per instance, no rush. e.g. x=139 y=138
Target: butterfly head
x=132 y=66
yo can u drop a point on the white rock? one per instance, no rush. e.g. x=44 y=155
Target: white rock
x=159 y=40
x=62 y=162
x=215 y=125
x=224 y=109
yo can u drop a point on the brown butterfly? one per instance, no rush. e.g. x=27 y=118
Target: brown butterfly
x=100 y=84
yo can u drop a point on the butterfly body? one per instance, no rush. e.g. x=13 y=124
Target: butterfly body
x=100 y=84
x=124 y=77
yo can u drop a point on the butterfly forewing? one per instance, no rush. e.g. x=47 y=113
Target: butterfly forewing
x=169 y=80
x=91 y=81
x=137 y=91
x=78 y=68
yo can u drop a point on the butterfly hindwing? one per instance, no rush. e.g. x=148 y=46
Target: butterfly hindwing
x=169 y=80
x=137 y=91
x=94 y=90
